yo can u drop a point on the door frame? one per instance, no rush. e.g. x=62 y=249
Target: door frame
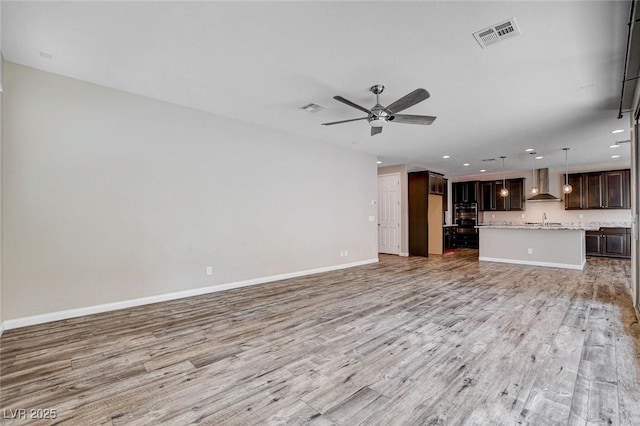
x=398 y=210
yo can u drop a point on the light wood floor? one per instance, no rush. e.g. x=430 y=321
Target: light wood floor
x=438 y=341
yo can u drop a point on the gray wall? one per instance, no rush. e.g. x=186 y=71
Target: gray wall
x=1 y=84
x=1 y=232
x=109 y=196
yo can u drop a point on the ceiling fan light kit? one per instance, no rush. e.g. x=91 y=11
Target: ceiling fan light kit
x=378 y=115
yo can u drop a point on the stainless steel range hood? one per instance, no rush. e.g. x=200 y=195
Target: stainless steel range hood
x=542 y=180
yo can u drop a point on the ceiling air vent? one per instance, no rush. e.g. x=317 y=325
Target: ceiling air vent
x=312 y=107
x=497 y=32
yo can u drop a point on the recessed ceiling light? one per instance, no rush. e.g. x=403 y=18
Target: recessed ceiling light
x=466 y=164
x=615 y=156
x=617 y=131
x=446 y=156
x=482 y=171
x=539 y=157
x=528 y=150
x=379 y=162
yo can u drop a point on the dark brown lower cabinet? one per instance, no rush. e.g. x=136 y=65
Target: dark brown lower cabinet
x=448 y=237
x=593 y=243
x=468 y=240
x=609 y=242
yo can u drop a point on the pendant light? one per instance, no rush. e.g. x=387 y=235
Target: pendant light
x=504 y=192
x=566 y=188
x=534 y=187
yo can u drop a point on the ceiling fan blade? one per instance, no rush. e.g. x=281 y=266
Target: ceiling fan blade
x=413 y=119
x=376 y=130
x=343 y=121
x=351 y=104
x=409 y=100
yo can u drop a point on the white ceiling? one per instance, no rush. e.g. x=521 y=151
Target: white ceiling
x=556 y=85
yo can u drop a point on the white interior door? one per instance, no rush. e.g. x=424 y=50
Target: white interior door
x=389 y=213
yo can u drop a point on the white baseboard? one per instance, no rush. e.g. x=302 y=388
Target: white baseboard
x=404 y=254
x=89 y=310
x=534 y=263
x=1 y=328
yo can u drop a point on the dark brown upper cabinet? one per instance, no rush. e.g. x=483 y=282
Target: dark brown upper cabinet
x=465 y=192
x=575 y=200
x=437 y=184
x=516 y=194
x=593 y=184
x=617 y=193
x=599 y=190
x=490 y=199
x=487 y=196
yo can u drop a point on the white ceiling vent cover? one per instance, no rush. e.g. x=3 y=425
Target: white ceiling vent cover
x=312 y=107
x=498 y=32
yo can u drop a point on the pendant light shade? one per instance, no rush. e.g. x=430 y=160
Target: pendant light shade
x=534 y=186
x=504 y=192
x=566 y=188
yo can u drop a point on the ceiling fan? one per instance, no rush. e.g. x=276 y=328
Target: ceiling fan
x=378 y=115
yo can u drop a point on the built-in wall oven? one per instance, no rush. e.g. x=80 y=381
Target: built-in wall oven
x=466 y=217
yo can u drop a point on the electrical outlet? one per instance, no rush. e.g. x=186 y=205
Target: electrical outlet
x=529 y=251
x=346 y=253
x=522 y=215
x=209 y=270
x=372 y=218
x=581 y=216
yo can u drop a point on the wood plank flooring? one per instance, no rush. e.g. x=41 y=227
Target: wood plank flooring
x=437 y=341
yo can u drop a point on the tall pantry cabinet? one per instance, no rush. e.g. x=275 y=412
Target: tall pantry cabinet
x=427 y=202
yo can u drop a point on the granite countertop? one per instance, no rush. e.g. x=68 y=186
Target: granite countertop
x=587 y=226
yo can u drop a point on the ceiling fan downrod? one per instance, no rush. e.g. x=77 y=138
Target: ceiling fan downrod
x=377 y=89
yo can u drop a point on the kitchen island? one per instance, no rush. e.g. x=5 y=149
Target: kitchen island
x=558 y=246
